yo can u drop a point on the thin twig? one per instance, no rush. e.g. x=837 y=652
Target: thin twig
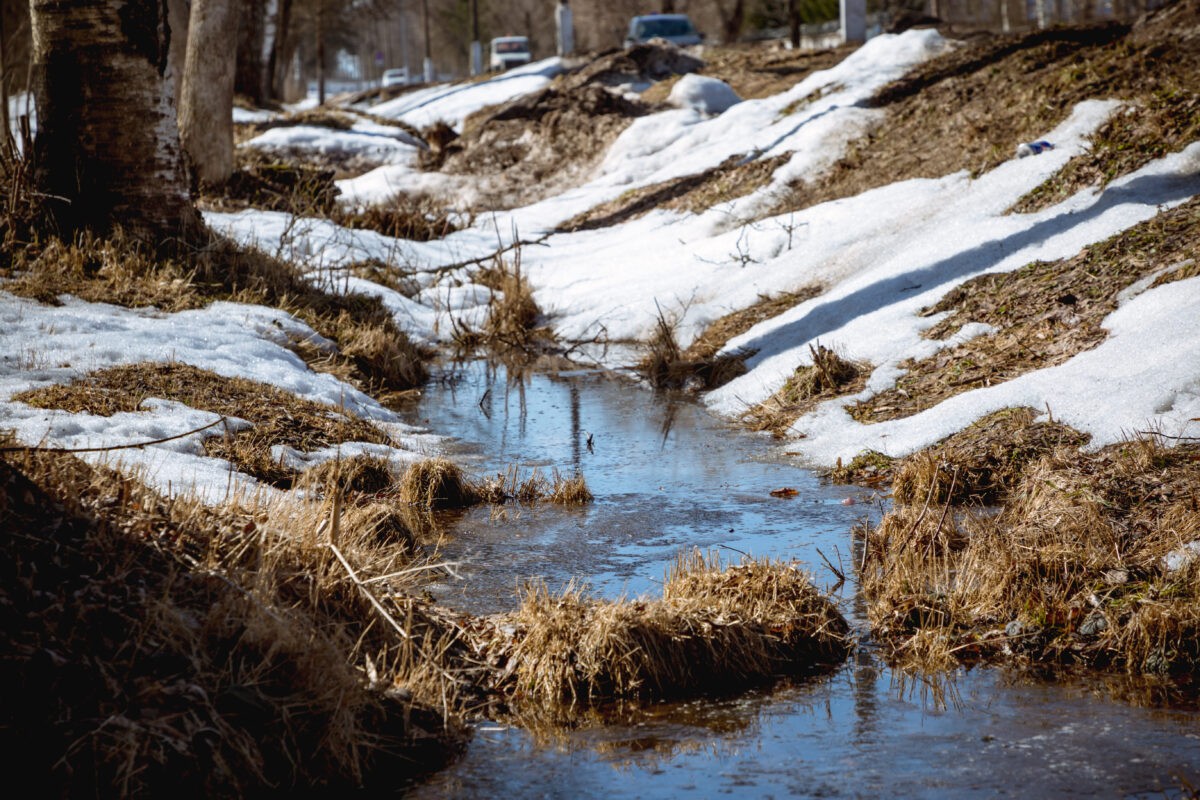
x=447 y=565
x=135 y=445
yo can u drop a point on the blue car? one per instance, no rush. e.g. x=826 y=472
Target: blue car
x=675 y=28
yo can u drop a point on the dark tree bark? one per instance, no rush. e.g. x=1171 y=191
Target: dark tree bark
x=107 y=151
x=251 y=77
x=206 y=98
x=277 y=59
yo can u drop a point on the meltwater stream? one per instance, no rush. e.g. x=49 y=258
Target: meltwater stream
x=668 y=476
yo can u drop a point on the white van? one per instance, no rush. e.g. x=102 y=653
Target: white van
x=509 y=52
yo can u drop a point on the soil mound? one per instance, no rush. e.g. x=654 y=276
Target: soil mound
x=641 y=64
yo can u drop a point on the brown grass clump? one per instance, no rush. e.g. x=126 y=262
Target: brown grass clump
x=437 y=483
x=1094 y=561
x=982 y=464
x=514 y=313
x=268 y=183
x=154 y=644
x=868 y=468
x=358 y=475
x=382 y=522
x=535 y=487
x=413 y=218
x=668 y=366
x=277 y=417
x=829 y=375
x=1046 y=312
x=569 y=491
x=714 y=630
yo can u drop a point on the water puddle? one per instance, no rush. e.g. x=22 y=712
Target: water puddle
x=668 y=476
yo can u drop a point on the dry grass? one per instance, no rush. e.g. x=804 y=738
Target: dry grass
x=668 y=366
x=374 y=353
x=714 y=630
x=693 y=193
x=735 y=323
x=569 y=491
x=828 y=376
x=156 y=645
x=534 y=487
x=437 y=483
x=868 y=468
x=277 y=417
x=259 y=181
x=356 y=476
x=514 y=314
x=982 y=464
x=417 y=219
x=968 y=109
x=1088 y=563
x=1045 y=313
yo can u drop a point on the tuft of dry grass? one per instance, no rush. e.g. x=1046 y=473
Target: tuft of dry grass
x=437 y=483
x=514 y=316
x=715 y=629
x=264 y=182
x=569 y=491
x=829 y=375
x=983 y=463
x=869 y=468
x=668 y=366
x=358 y=475
x=382 y=522
x=277 y=417
x=154 y=643
x=416 y=219
x=1094 y=560
x=517 y=486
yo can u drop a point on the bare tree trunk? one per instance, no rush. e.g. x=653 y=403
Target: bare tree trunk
x=177 y=20
x=280 y=49
x=794 y=23
x=251 y=76
x=320 y=52
x=107 y=151
x=206 y=103
x=733 y=22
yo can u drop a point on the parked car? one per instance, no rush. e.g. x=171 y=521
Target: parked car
x=675 y=28
x=509 y=52
x=395 y=77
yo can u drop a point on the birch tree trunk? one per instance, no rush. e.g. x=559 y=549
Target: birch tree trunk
x=206 y=103
x=107 y=151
